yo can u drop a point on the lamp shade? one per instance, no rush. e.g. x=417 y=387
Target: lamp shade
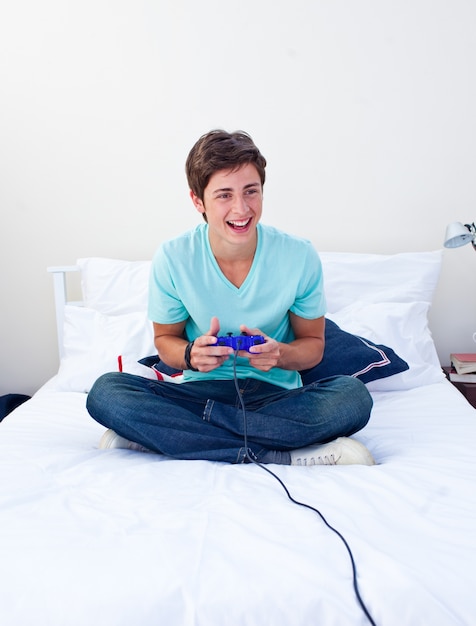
x=457 y=235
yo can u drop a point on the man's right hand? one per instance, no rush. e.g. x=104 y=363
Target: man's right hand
x=205 y=354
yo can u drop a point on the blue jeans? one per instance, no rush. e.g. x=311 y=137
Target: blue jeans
x=204 y=420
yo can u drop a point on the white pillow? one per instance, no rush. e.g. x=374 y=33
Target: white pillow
x=403 y=326
x=115 y=287
x=352 y=280
x=405 y=277
x=93 y=343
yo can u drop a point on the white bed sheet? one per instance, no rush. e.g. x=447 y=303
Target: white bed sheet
x=120 y=537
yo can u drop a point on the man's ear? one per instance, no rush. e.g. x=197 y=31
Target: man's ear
x=197 y=202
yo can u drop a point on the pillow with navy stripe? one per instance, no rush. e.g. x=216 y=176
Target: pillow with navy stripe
x=350 y=355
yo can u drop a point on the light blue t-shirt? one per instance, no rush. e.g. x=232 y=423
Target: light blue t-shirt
x=186 y=283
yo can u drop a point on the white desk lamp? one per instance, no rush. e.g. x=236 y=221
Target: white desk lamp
x=458 y=235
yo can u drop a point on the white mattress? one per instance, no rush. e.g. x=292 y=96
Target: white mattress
x=126 y=538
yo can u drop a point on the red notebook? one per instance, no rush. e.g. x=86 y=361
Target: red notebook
x=464 y=362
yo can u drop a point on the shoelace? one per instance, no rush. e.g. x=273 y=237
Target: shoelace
x=319 y=460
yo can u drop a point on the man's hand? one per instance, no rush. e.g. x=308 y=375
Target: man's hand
x=263 y=356
x=205 y=355
x=304 y=352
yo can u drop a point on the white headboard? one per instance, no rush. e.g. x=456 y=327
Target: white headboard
x=61 y=298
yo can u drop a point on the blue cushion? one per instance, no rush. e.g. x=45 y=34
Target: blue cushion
x=351 y=355
x=344 y=355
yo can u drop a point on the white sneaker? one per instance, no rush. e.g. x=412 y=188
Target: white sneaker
x=110 y=439
x=342 y=451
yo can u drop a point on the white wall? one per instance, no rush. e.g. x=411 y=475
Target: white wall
x=365 y=111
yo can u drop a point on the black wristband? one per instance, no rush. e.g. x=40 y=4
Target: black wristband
x=186 y=357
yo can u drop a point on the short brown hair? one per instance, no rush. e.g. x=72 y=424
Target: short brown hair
x=220 y=150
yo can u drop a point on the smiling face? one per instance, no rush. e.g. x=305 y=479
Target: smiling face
x=232 y=203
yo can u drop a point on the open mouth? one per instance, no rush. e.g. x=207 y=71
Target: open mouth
x=239 y=224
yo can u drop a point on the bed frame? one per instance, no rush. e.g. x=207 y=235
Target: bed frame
x=60 y=289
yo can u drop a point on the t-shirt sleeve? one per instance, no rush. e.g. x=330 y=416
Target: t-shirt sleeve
x=310 y=302
x=165 y=305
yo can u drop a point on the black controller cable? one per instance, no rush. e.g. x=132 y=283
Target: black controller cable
x=250 y=458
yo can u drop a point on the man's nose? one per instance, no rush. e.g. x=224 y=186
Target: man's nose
x=240 y=204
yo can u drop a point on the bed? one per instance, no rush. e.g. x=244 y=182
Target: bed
x=120 y=537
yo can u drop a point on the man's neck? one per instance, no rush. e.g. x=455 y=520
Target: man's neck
x=234 y=261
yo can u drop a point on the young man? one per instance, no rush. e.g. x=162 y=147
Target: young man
x=233 y=275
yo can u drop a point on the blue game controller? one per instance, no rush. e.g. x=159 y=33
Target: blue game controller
x=240 y=342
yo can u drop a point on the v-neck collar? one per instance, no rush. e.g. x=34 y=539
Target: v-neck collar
x=251 y=271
